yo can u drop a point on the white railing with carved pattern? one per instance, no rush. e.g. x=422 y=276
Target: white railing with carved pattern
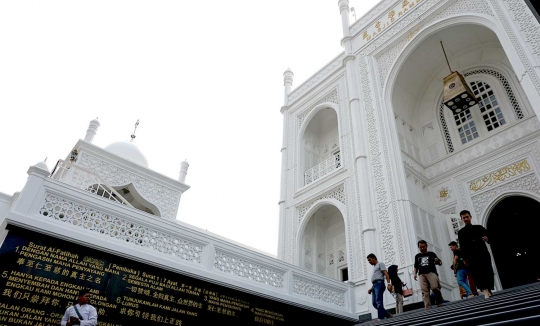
x=324 y=168
x=81 y=178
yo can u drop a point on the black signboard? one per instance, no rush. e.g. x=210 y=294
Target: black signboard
x=40 y=277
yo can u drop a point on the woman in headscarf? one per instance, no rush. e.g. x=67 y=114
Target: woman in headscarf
x=397 y=287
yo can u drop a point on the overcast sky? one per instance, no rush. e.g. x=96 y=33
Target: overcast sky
x=205 y=79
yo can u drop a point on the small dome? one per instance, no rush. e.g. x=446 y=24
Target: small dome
x=42 y=165
x=128 y=151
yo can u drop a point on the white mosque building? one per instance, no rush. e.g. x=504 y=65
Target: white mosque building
x=372 y=161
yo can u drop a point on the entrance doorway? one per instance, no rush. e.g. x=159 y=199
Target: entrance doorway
x=513 y=227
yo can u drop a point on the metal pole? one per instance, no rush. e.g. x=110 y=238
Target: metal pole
x=451 y=71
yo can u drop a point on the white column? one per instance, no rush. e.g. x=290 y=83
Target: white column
x=287 y=81
x=360 y=137
x=92 y=130
x=183 y=171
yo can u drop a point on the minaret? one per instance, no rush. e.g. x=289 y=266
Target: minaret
x=359 y=133
x=92 y=130
x=287 y=82
x=183 y=171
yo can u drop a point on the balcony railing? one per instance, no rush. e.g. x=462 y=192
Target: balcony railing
x=320 y=170
x=81 y=178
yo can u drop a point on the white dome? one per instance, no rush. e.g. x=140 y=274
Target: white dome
x=42 y=165
x=128 y=151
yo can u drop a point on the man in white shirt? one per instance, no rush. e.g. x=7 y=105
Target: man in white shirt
x=82 y=313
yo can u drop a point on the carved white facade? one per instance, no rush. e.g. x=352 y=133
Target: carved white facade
x=407 y=164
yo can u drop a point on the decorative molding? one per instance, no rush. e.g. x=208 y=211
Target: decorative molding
x=393 y=216
x=446 y=132
x=517 y=154
x=518 y=11
x=381 y=195
x=413 y=165
x=127 y=232
x=444 y=194
x=165 y=199
x=329 y=69
x=528 y=182
x=311 y=289
x=370 y=15
x=256 y=272
x=401 y=26
x=337 y=193
x=500 y=175
x=527 y=24
x=332 y=97
x=488 y=145
x=362 y=300
x=505 y=84
x=387 y=59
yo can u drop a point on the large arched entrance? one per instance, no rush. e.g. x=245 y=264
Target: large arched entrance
x=513 y=227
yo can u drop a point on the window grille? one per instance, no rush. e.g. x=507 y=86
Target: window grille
x=492 y=118
x=466 y=127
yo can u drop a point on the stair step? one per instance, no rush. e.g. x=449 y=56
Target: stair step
x=504 y=307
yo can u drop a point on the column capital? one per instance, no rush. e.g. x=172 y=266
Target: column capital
x=347 y=58
x=288 y=77
x=343 y=5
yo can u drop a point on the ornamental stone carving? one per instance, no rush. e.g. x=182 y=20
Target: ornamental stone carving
x=321 y=75
x=518 y=11
x=333 y=97
x=527 y=24
x=165 y=199
x=528 y=183
x=115 y=227
x=377 y=10
x=500 y=175
x=381 y=195
x=444 y=194
x=488 y=145
x=337 y=193
x=388 y=58
x=462 y=181
x=252 y=271
x=317 y=291
x=362 y=300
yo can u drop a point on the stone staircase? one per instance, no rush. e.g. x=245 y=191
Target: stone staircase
x=515 y=306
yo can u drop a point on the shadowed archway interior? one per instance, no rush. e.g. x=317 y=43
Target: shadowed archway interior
x=513 y=227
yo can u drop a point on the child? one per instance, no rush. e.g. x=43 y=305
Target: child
x=397 y=285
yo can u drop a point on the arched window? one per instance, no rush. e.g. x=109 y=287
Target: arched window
x=489 y=106
x=497 y=105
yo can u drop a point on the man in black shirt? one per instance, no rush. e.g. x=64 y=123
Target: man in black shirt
x=460 y=268
x=424 y=266
x=472 y=239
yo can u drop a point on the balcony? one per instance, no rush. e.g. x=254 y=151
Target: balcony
x=81 y=178
x=322 y=169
